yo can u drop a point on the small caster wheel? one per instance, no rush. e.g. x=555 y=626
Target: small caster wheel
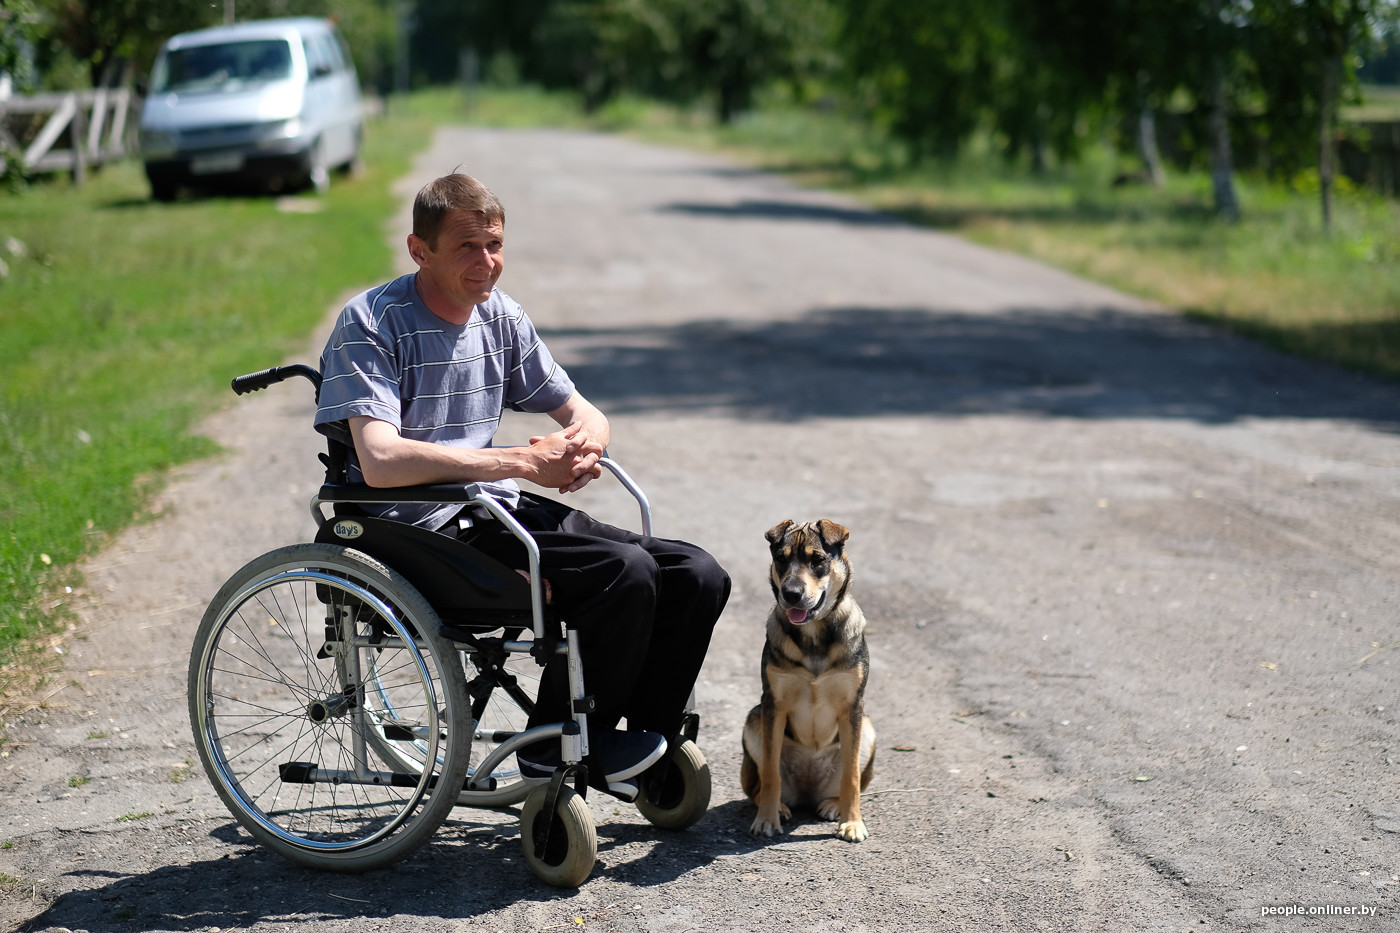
x=573 y=843
x=678 y=796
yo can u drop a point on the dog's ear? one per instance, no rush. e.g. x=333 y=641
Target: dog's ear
x=775 y=534
x=833 y=535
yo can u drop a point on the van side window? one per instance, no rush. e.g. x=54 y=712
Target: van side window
x=317 y=65
x=332 y=52
x=344 y=47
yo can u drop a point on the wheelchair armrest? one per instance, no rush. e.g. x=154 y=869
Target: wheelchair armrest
x=358 y=492
x=631 y=486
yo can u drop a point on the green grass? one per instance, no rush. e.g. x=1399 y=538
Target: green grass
x=1378 y=103
x=123 y=321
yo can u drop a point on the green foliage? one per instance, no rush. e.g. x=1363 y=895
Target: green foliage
x=102 y=34
x=123 y=321
x=19 y=28
x=720 y=51
x=931 y=71
x=731 y=48
x=101 y=37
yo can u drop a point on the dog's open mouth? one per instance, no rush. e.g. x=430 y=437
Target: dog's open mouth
x=799 y=616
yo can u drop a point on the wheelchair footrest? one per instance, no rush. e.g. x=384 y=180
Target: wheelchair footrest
x=304 y=772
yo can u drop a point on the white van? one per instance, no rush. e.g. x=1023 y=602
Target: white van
x=274 y=102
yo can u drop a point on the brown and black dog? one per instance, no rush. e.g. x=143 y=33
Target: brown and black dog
x=809 y=741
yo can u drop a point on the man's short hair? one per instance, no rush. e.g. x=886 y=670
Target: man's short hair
x=455 y=192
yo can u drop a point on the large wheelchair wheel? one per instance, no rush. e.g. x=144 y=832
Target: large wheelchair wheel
x=564 y=857
x=680 y=794
x=288 y=730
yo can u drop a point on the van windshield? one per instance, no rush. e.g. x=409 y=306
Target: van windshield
x=228 y=66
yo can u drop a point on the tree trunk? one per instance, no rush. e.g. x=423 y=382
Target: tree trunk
x=1147 y=135
x=1040 y=148
x=1222 y=164
x=1147 y=147
x=1327 y=143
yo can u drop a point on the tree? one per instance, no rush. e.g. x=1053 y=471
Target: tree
x=731 y=48
x=1304 y=53
x=930 y=70
x=603 y=47
x=1122 y=58
x=104 y=33
x=1218 y=41
x=19 y=25
x=1318 y=37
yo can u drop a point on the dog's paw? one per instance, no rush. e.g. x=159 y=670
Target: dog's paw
x=853 y=831
x=767 y=827
x=829 y=809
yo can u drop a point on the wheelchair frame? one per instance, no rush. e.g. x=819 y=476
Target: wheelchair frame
x=387 y=687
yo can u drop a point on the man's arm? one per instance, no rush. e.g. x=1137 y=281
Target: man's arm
x=388 y=459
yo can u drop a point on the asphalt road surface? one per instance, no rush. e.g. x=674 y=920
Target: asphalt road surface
x=1131 y=586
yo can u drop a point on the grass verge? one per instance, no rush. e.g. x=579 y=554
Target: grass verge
x=124 y=320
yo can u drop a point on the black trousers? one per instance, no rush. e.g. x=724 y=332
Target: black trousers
x=644 y=609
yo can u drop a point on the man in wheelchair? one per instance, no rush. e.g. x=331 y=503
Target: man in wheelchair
x=420 y=370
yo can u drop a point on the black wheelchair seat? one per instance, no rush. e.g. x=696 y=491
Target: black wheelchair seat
x=469 y=590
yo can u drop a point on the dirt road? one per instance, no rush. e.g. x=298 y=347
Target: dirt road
x=1121 y=572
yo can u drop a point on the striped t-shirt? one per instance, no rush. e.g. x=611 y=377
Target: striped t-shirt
x=391 y=358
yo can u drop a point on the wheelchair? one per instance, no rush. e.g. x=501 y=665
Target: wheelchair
x=346 y=693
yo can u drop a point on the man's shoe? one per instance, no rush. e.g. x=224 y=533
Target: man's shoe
x=627 y=790
x=539 y=761
x=622 y=755
x=619 y=755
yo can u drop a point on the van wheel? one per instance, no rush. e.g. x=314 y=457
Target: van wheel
x=355 y=166
x=319 y=175
x=163 y=189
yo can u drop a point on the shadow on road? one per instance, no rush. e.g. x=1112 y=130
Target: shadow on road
x=465 y=870
x=789 y=210
x=863 y=361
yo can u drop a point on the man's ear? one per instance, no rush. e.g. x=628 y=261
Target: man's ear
x=418 y=249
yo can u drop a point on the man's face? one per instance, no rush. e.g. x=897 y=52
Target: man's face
x=466 y=263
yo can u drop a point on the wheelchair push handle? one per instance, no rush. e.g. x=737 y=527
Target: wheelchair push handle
x=254 y=382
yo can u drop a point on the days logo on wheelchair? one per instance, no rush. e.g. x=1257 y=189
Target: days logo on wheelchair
x=348 y=529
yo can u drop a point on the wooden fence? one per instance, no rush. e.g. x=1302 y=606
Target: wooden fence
x=91 y=124
x=1370 y=155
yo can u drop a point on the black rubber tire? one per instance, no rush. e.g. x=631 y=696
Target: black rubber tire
x=573 y=840
x=681 y=793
